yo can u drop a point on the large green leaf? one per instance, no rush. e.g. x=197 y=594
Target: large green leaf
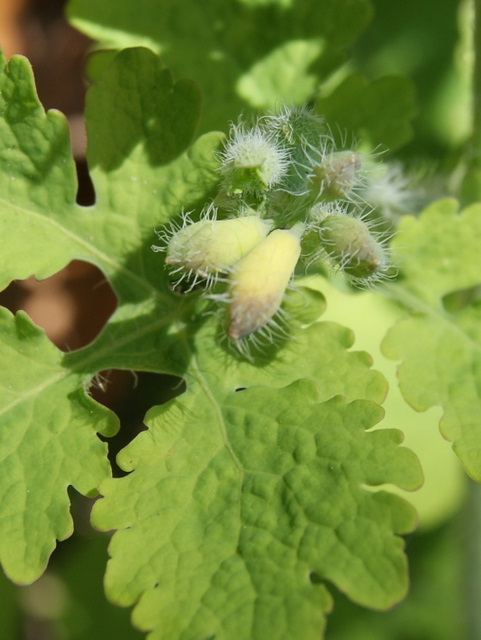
x=240 y=504
x=259 y=52
x=47 y=442
x=371 y=314
x=439 y=342
x=48 y=421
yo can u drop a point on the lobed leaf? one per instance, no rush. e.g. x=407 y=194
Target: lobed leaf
x=49 y=424
x=241 y=505
x=47 y=443
x=237 y=50
x=439 y=342
x=371 y=314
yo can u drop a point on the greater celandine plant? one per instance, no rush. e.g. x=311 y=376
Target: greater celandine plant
x=288 y=199
x=236 y=510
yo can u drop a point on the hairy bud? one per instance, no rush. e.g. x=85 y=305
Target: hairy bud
x=337 y=176
x=350 y=244
x=252 y=162
x=258 y=282
x=208 y=247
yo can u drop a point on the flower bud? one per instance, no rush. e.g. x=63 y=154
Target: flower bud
x=252 y=162
x=337 y=176
x=351 y=245
x=208 y=247
x=258 y=281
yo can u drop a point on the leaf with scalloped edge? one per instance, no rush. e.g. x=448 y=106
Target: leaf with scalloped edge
x=241 y=505
x=276 y=49
x=140 y=123
x=47 y=442
x=439 y=342
x=378 y=112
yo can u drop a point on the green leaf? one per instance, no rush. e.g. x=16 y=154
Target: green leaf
x=46 y=411
x=88 y=613
x=371 y=314
x=435 y=608
x=253 y=51
x=47 y=443
x=161 y=114
x=38 y=174
x=379 y=112
x=132 y=182
x=439 y=342
x=241 y=504
x=281 y=76
x=320 y=352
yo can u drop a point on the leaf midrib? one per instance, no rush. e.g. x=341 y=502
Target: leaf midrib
x=79 y=364
x=203 y=383
x=102 y=257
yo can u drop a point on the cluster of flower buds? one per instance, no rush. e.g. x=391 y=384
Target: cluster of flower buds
x=252 y=262
x=286 y=190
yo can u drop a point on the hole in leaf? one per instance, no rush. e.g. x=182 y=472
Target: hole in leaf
x=315 y=578
x=130 y=394
x=72 y=306
x=240 y=389
x=85 y=190
x=456 y=301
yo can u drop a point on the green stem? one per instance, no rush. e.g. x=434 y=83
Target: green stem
x=476 y=81
x=471 y=188
x=472 y=552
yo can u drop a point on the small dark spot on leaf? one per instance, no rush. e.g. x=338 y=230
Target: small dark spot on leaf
x=456 y=301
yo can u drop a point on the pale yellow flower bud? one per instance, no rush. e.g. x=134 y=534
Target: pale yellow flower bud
x=259 y=280
x=208 y=247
